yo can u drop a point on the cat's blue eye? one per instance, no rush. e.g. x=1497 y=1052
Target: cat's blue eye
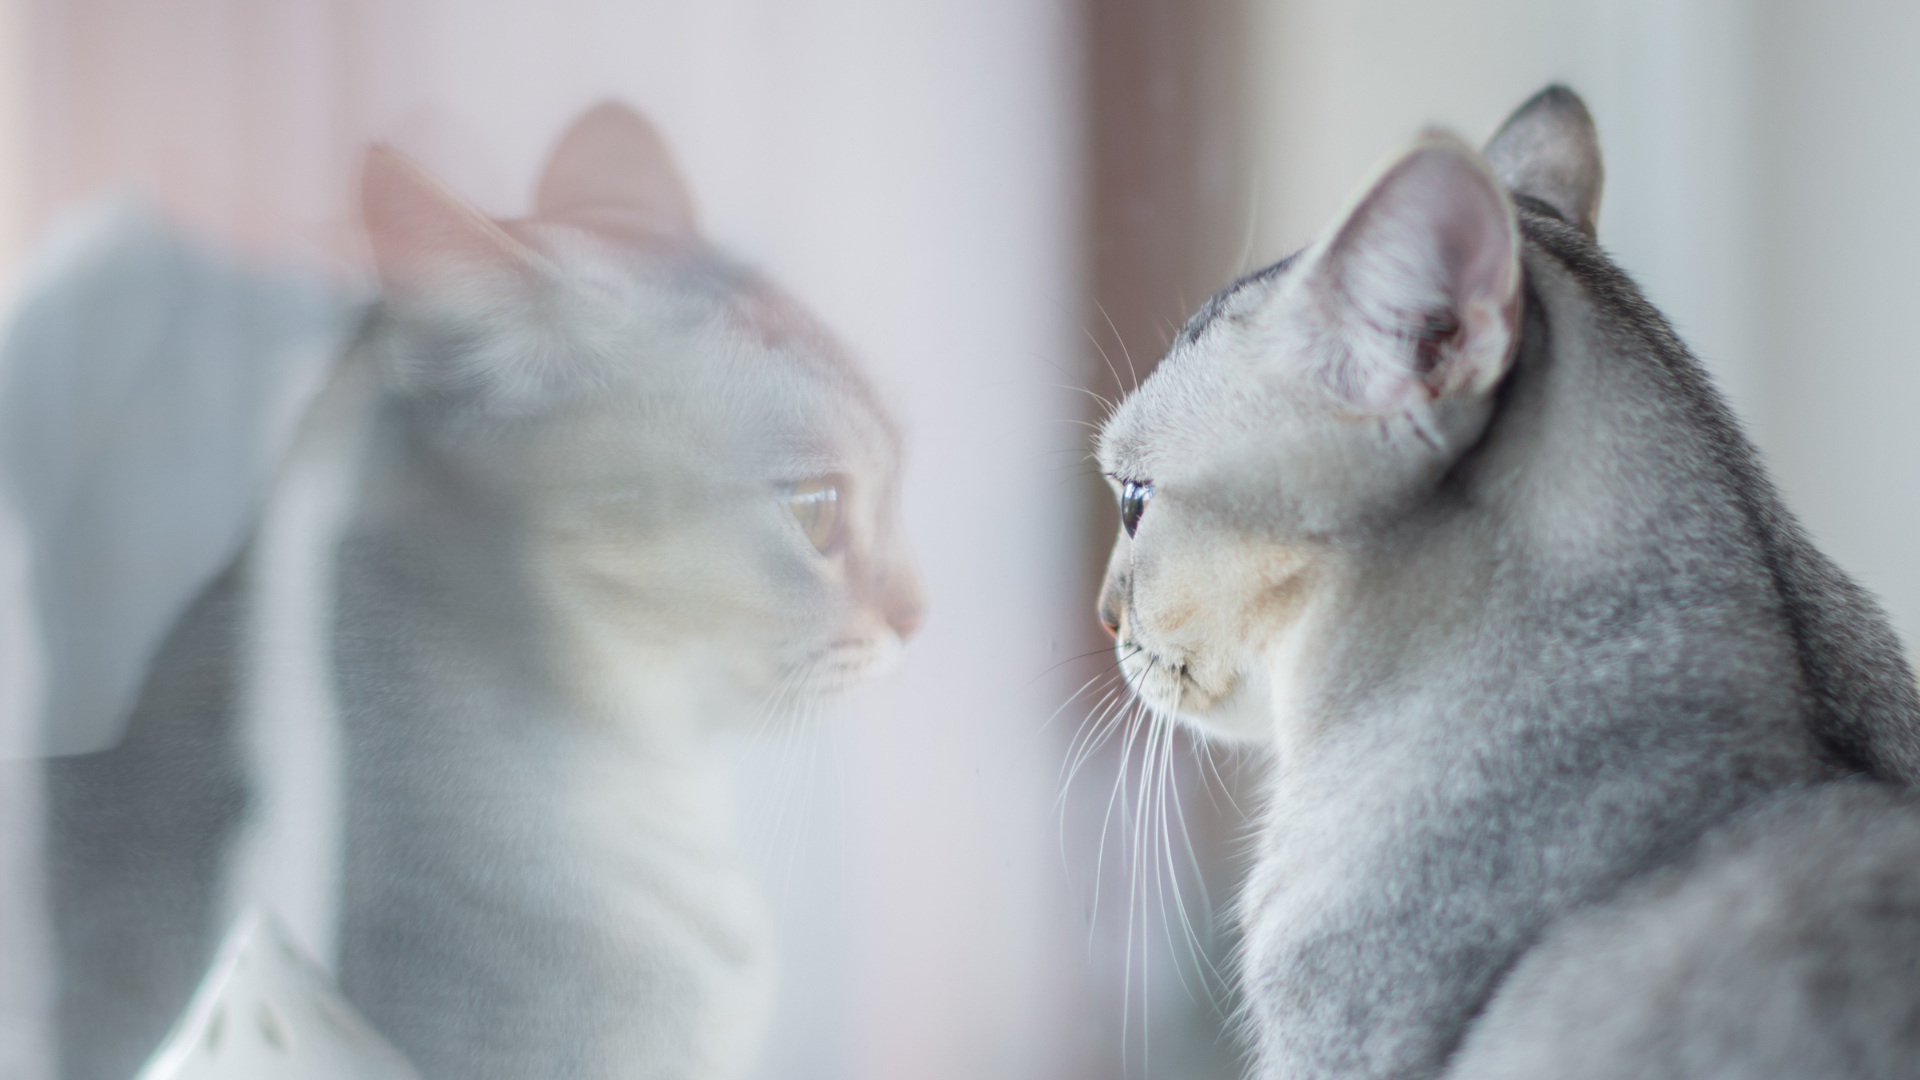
x=1134 y=496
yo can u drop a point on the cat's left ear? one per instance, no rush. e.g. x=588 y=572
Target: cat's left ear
x=1415 y=298
x=612 y=173
x=1548 y=151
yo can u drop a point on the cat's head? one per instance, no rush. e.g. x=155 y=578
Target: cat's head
x=691 y=476
x=1314 y=404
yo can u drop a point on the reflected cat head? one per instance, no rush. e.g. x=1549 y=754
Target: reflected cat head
x=692 y=476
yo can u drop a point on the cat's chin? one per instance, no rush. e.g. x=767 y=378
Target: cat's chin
x=1241 y=711
x=844 y=665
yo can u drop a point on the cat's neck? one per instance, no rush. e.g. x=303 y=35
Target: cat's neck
x=1595 y=517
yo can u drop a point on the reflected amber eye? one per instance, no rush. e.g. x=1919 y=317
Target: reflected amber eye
x=1134 y=496
x=816 y=506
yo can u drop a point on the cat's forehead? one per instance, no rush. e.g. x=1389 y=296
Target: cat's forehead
x=827 y=415
x=1214 y=389
x=1207 y=378
x=673 y=354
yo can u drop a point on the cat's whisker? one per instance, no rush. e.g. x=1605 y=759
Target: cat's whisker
x=1103 y=352
x=1091 y=735
x=1210 y=975
x=1089 y=738
x=1141 y=894
x=1210 y=764
x=1117 y=336
x=1245 y=261
x=1117 y=661
x=1085 y=729
x=1135 y=816
x=1115 y=798
x=1093 y=732
x=1165 y=873
x=1108 y=405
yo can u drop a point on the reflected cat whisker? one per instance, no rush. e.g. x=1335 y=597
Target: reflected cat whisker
x=784 y=784
x=807 y=727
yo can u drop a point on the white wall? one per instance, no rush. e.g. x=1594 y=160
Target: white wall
x=1836 y=238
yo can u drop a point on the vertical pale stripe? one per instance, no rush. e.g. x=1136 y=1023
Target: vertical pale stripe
x=16 y=86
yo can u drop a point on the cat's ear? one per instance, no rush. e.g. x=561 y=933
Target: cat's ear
x=1415 y=297
x=612 y=171
x=1548 y=151
x=422 y=232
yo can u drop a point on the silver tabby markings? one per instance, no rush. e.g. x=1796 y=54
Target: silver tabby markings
x=1442 y=513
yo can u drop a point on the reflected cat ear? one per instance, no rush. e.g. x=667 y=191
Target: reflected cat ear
x=1416 y=296
x=422 y=231
x=612 y=172
x=1548 y=151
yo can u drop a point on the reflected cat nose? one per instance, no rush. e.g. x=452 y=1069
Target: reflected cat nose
x=905 y=621
x=905 y=607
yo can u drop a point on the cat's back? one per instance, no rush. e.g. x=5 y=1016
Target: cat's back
x=1863 y=704
x=1787 y=946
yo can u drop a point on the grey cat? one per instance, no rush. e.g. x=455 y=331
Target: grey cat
x=607 y=495
x=1586 y=762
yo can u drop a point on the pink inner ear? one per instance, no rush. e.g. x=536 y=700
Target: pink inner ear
x=612 y=170
x=1423 y=278
x=1483 y=263
x=1439 y=197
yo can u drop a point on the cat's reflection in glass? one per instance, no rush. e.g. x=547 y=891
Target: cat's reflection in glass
x=607 y=493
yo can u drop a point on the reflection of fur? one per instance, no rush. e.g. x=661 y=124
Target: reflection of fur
x=1574 y=730
x=568 y=563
